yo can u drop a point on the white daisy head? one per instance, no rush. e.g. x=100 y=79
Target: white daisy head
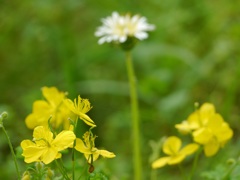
x=119 y=29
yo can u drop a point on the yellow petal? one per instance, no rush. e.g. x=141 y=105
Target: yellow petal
x=64 y=140
x=160 y=162
x=189 y=149
x=86 y=119
x=49 y=155
x=211 y=148
x=33 y=153
x=91 y=157
x=42 y=112
x=215 y=122
x=59 y=155
x=42 y=135
x=176 y=159
x=206 y=111
x=202 y=136
x=27 y=143
x=70 y=105
x=53 y=95
x=172 y=145
x=225 y=133
x=184 y=127
x=41 y=106
x=80 y=146
x=220 y=129
x=194 y=120
x=106 y=154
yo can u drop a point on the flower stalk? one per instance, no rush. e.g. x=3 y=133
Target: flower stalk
x=2 y=117
x=135 y=117
x=195 y=163
x=73 y=150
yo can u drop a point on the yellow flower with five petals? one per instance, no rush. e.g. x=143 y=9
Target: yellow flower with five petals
x=44 y=147
x=172 y=147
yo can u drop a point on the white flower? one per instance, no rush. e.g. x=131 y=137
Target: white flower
x=118 y=28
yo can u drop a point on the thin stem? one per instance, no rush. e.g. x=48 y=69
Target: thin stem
x=181 y=171
x=73 y=161
x=195 y=163
x=12 y=151
x=61 y=169
x=135 y=117
x=228 y=173
x=73 y=151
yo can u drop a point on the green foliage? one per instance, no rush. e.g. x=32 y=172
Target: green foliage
x=193 y=55
x=226 y=171
x=97 y=176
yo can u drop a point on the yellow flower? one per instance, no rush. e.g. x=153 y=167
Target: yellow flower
x=197 y=119
x=87 y=147
x=213 y=135
x=171 y=147
x=44 y=146
x=80 y=107
x=51 y=108
x=208 y=128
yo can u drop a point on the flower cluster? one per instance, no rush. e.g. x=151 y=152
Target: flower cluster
x=118 y=29
x=54 y=129
x=208 y=130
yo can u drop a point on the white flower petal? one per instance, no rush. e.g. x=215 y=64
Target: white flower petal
x=119 y=28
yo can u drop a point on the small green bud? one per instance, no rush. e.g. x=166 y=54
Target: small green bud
x=231 y=161
x=39 y=166
x=196 y=105
x=50 y=173
x=26 y=176
x=4 y=115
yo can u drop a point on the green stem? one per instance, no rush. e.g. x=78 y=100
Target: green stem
x=61 y=169
x=12 y=151
x=73 y=161
x=73 y=151
x=181 y=171
x=135 y=117
x=195 y=163
x=228 y=173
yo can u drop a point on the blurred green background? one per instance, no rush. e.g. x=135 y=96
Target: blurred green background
x=192 y=56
